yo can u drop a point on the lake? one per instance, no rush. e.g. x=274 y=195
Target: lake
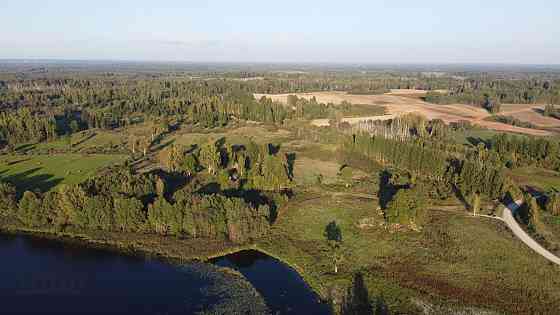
x=49 y=276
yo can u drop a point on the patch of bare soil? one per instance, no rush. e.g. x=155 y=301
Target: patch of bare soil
x=397 y=105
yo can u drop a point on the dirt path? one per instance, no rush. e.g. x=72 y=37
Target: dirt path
x=508 y=218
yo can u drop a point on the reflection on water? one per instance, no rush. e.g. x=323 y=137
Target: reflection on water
x=53 y=277
x=282 y=288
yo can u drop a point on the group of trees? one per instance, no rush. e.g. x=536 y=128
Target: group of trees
x=489 y=92
x=510 y=120
x=415 y=157
x=472 y=173
x=516 y=151
x=41 y=109
x=551 y=111
x=405 y=127
x=23 y=125
x=403 y=203
x=250 y=166
x=122 y=201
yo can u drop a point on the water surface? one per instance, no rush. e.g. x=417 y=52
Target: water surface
x=39 y=276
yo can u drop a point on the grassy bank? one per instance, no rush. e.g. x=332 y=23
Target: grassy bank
x=456 y=258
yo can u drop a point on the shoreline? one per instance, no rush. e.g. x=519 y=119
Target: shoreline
x=120 y=247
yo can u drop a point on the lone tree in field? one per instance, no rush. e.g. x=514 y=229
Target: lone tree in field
x=476 y=204
x=333 y=235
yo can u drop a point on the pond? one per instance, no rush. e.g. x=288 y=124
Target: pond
x=49 y=276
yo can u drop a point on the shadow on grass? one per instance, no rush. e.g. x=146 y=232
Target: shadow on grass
x=84 y=139
x=24 y=148
x=162 y=146
x=475 y=141
x=28 y=181
x=358 y=300
x=10 y=163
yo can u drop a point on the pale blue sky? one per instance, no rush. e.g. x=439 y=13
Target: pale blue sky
x=374 y=31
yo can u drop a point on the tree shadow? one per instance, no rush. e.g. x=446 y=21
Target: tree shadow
x=161 y=146
x=459 y=195
x=273 y=149
x=475 y=141
x=27 y=181
x=358 y=302
x=291 y=160
x=386 y=189
x=539 y=111
x=24 y=148
x=192 y=148
x=85 y=139
x=255 y=198
x=10 y=163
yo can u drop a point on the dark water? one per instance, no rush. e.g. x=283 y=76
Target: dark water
x=283 y=288
x=40 y=276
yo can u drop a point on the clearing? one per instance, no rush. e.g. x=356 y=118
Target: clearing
x=396 y=104
x=44 y=172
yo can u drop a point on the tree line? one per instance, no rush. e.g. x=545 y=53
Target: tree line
x=472 y=173
x=515 y=151
x=120 y=200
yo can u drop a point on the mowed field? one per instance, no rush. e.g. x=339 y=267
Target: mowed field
x=44 y=172
x=401 y=102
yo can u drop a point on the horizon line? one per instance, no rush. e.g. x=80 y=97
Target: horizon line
x=245 y=62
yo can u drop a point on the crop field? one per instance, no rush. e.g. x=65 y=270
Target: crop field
x=404 y=101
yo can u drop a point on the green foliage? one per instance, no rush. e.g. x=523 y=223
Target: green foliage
x=129 y=214
x=71 y=201
x=23 y=125
x=551 y=111
x=553 y=204
x=477 y=176
x=216 y=216
x=30 y=211
x=100 y=213
x=333 y=236
x=346 y=173
x=270 y=174
x=510 y=120
x=121 y=180
x=408 y=155
x=7 y=198
x=517 y=151
x=210 y=157
x=490 y=92
x=333 y=233
x=408 y=207
x=165 y=218
x=190 y=164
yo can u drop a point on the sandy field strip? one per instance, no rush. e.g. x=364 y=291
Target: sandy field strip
x=397 y=105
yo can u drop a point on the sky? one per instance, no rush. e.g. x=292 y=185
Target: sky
x=349 y=31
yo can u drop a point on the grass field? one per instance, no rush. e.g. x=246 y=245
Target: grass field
x=43 y=172
x=98 y=139
x=473 y=136
x=455 y=258
x=257 y=133
x=540 y=179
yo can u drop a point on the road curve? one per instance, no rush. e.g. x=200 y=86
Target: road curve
x=508 y=218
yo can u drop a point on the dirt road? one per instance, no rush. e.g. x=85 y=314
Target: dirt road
x=508 y=218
